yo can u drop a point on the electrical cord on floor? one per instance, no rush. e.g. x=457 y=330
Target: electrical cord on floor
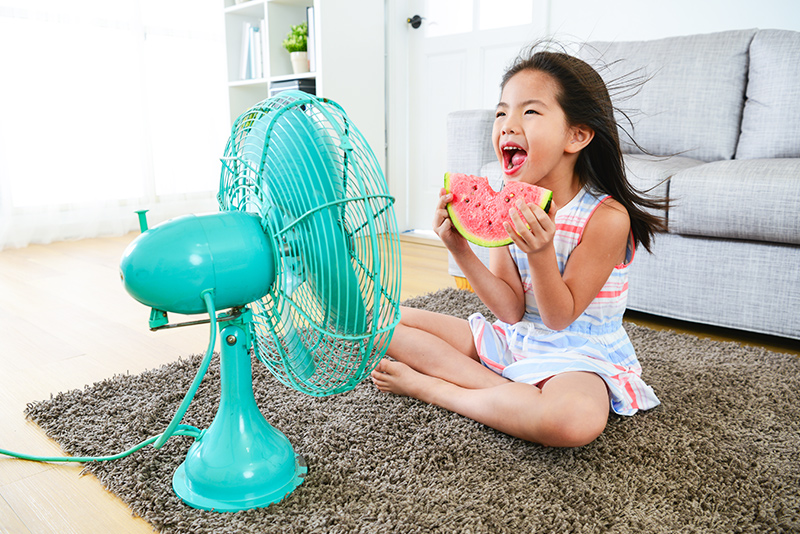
x=173 y=429
x=208 y=296
x=182 y=430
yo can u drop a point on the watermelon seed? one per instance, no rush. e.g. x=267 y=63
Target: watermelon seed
x=466 y=201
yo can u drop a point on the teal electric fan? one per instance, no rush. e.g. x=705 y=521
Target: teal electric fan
x=304 y=259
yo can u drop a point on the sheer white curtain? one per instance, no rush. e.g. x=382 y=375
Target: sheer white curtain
x=107 y=107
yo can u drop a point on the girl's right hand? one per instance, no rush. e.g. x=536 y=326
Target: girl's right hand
x=443 y=226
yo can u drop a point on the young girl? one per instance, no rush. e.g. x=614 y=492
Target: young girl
x=558 y=355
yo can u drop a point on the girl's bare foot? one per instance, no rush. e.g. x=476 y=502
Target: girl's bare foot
x=398 y=378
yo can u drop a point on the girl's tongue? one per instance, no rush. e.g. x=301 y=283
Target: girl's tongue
x=513 y=159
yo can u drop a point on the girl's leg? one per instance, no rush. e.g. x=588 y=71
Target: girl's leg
x=440 y=346
x=570 y=410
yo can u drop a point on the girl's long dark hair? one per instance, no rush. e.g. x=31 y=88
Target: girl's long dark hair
x=585 y=100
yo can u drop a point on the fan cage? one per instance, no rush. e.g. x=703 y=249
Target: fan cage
x=300 y=164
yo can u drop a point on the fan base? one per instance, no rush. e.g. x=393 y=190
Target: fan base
x=241 y=461
x=233 y=504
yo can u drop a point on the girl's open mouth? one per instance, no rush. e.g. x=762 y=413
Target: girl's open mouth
x=513 y=158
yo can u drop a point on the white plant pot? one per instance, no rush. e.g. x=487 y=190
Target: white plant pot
x=299 y=62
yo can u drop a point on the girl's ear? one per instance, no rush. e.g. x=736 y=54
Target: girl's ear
x=581 y=136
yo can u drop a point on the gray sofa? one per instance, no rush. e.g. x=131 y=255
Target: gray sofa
x=721 y=115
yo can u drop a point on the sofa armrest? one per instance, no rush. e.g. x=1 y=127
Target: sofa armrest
x=469 y=140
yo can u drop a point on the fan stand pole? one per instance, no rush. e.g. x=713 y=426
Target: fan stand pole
x=240 y=462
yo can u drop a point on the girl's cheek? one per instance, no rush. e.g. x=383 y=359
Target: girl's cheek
x=496 y=141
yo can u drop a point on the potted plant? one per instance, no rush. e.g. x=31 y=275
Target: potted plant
x=296 y=43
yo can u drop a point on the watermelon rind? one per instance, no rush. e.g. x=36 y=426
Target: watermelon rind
x=545 y=204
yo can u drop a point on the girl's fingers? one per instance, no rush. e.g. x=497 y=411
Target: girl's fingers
x=444 y=198
x=514 y=235
x=441 y=223
x=440 y=213
x=521 y=224
x=527 y=219
x=533 y=212
x=520 y=232
x=530 y=228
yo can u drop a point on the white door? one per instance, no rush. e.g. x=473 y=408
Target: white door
x=454 y=61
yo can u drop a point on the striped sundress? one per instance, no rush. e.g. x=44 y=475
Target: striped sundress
x=596 y=341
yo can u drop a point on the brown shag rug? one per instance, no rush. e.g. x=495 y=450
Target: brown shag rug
x=721 y=454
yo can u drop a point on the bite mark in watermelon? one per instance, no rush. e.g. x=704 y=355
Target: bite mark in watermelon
x=478 y=211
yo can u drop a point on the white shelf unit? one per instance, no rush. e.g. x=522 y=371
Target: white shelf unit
x=349 y=56
x=274 y=16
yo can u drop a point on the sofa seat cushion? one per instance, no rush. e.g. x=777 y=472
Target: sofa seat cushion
x=692 y=101
x=755 y=199
x=771 y=120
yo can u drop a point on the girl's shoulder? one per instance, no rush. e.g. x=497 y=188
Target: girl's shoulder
x=609 y=227
x=584 y=203
x=613 y=208
x=592 y=209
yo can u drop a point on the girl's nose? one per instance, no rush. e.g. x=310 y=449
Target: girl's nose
x=509 y=127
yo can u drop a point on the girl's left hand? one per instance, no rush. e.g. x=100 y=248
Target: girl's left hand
x=533 y=229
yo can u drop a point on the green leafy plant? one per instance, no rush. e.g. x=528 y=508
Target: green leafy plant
x=297 y=39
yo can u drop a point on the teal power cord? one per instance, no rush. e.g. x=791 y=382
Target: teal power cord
x=173 y=429
x=182 y=430
x=208 y=297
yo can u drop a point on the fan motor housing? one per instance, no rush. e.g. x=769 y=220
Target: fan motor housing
x=169 y=266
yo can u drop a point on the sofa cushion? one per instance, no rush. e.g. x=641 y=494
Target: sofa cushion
x=648 y=174
x=651 y=174
x=469 y=140
x=771 y=120
x=742 y=199
x=691 y=103
x=494 y=172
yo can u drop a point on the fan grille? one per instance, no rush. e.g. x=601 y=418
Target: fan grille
x=305 y=169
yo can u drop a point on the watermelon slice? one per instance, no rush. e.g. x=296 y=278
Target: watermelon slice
x=478 y=211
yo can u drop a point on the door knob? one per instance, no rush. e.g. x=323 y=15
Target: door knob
x=415 y=21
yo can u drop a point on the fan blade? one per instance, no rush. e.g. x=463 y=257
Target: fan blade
x=304 y=178
x=330 y=273
x=293 y=156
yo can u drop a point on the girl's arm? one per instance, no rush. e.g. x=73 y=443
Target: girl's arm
x=561 y=299
x=507 y=301
x=499 y=288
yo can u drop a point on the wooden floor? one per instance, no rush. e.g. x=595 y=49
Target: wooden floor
x=65 y=322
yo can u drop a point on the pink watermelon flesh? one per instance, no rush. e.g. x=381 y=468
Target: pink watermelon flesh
x=478 y=211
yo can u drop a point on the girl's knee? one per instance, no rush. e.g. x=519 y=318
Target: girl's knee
x=414 y=317
x=574 y=422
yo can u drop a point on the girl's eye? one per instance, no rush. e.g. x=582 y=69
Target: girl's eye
x=531 y=112
x=499 y=114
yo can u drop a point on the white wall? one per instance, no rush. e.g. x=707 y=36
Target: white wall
x=629 y=20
